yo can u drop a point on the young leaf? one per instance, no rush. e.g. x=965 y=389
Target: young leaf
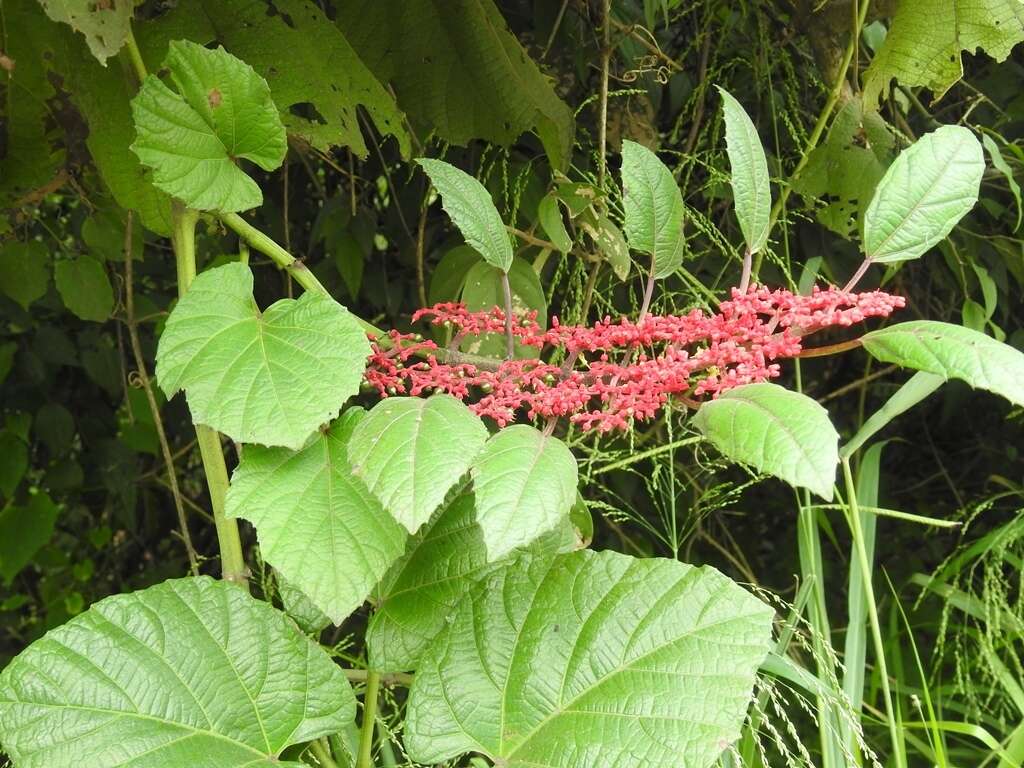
x=1000 y=164
x=83 y=284
x=525 y=482
x=470 y=207
x=193 y=138
x=751 y=192
x=317 y=523
x=925 y=192
x=654 y=208
x=591 y=658
x=776 y=431
x=411 y=450
x=270 y=377
x=105 y=25
x=189 y=672
x=550 y=216
x=952 y=352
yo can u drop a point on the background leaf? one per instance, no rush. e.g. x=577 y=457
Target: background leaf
x=269 y=378
x=925 y=192
x=751 y=192
x=83 y=284
x=482 y=291
x=317 y=523
x=24 y=530
x=776 y=431
x=25 y=271
x=591 y=658
x=458 y=71
x=654 y=208
x=410 y=451
x=189 y=672
x=549 y=214
x=105 y=25
x=192 y=139
x=524 y=482
x=472 y=210
x=953 y=352
x=925 y=41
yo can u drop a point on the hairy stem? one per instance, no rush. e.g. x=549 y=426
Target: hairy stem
x=869 y=593
x=365 y=759
x=135 y=56
x=745 y=276
x=154 y=408
x=648 y=294
x=510 y=342
x=232 y=561
x=858 y=274
x=606 y=57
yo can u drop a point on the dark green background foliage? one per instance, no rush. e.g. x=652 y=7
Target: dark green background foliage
x=510 y=90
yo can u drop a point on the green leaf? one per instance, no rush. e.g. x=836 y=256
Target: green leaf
x=189 y=672
x=1000 y=164
x=926 y=39
x=654 y=208
x=105 y=26
x=609 y=241
x=192 y=139
x=83 y=284
x=13 y=464
x=317 y=80
x=270 y=377
x=458 y=71
x=591 y=658
x=952 y=352
x=483 y=291
x=410 y=451
x=24 y=530
x=24 y=271
x=922 y=196
x=300 y=608
x=751 y=192
x=471 y=208
x=776 y=431
x=317 y=523
x=449 y=276
x=550 y=216
x=525 y=483
x=444 y=560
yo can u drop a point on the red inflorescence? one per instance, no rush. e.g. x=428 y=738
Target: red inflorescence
x=616 y=370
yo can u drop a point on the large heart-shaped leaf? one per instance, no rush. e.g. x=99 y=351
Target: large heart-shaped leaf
x=776 y=431
x=410 y=451
x=952 y=352
x=471 y=208
x=654 y=208
x=591 y=659
x=925 y=192
x=193 y=139
x=751 y=192
x=444 y=560
x=317 y=523
x=270 y=377
x=525 y=482
x=191 y=672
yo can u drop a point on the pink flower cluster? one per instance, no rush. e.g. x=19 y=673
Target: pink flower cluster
x=616 y=370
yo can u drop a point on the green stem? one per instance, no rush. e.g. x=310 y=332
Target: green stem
x=183 y=239
x=365 y=759
x=135 y=56
x=869 y=594
x=322 y=755
x=818 y=130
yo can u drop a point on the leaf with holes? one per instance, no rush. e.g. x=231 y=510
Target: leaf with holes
x=472 y=210
x=654 y=208
x=751 y=192
x=270 y=377
x=591 y=658
x=776 y=431
x=317 y=523
x=952 y=352
x=192 y=139
x=525 y=483
x=410 y=451
x=189 y=672
x=105 y=26
x=925 y=192
x=444 y=560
